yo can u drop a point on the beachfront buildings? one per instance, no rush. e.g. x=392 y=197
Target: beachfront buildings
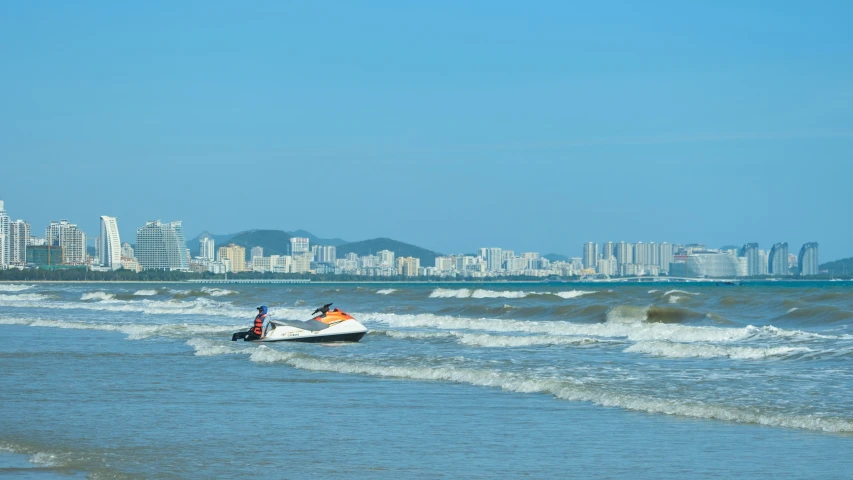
x=161 y=246
x=4 y=237
x=109 y=250
x=590 y=255
x=777 y=261
x=808 y=260
x=234 y=255
x=206 y=247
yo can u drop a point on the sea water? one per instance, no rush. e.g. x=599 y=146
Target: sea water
x=657 y=380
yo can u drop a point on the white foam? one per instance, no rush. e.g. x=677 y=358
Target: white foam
x=565 y=389
x=670 y=292
x=681 y=350
x=676 y=298
x=482 y=293
x=98 y=296
x=133 y=331
x=45 y=459
x=217 y=292
x=653 y=291
x=450 y=293
x=386 y=291
x=14 y=287
x=493 y=341
x=209 y=348
x=145 y=293
x=632 y=331
x=792 y=310
x=18 y=299
x=574 y=293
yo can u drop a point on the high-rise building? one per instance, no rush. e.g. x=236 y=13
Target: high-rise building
x=234 y=254
x=19 y=236
x=126 y=250
x=608 y=250
x=73 y=243
x=409 y=266
x=624 y=253
x=641 y=253
x=808 y=260
x=493 y=258
x=162 y=246
x=590 y=255
x=750 y=252
x=299 y=245
x=763 y=260
x=109 y=252
x=206 y=247
x=4 y=237
x=665 y=257
x=386 y=258
x=777 y=261
x=256 y=252
x=325 y=253
x=53 y=232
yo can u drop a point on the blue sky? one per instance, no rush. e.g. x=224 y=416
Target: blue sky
x=451 y=125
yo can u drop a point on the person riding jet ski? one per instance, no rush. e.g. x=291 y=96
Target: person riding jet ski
x=257 y=331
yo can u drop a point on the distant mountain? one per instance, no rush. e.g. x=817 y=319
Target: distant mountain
x=333 y=242
x=838 y=267
x=400 y=249
x=556 y=257
x=274 y=242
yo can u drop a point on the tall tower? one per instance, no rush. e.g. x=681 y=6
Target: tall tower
x=206 y=247
x=750 y=251
x=808 y=259
x=4 y=237
x=109 y=251
x=590 y=255
x=777 y=262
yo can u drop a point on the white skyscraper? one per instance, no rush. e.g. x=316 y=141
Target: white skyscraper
x=161 y=246
x=256 y=252
x=19 y=237
x=206 y=247
x=4 y=237
x=494 y=259
x=126 y=250
x=624 y=253
x=109 y=252
x=590 y=255
x=299 y=245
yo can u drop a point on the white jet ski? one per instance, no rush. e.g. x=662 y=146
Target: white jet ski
x=328 y=326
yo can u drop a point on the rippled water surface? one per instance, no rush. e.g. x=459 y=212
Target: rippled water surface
x=650 y=380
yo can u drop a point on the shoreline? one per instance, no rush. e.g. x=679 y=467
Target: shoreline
x=428 y=282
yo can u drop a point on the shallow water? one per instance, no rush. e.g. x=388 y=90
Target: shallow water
x=606 y=380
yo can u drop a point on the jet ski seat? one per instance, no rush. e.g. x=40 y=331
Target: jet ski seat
x=311 y=325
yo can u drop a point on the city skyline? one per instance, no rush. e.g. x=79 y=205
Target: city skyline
x=539 y=132
x=163 y=246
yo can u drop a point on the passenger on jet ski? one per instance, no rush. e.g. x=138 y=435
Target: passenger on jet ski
x=257 y=330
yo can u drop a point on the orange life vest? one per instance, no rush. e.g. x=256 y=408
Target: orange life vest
x=258 y=329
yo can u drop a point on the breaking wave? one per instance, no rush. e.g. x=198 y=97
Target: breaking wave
x=133 y=331
x=559 y=388
x=386 y=291
x=632 y=331
x=481 y=293
x=145 y=293
x=682 y=350
x=14 y=287
x=492 y=341
x=217 y=292
x=97 y=296
x=634 y=314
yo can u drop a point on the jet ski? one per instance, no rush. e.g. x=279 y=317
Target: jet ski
x=328 y=326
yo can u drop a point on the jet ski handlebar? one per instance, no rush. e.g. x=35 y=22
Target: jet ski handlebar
x=322 y=310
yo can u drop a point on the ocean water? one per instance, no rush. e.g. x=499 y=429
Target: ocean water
x=598 y=380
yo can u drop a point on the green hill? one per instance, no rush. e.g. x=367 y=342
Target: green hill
x=838 y=267
x=556 y=257
x=274 y=242
x=400 y=249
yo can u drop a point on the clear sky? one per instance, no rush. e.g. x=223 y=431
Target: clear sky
x=452 y=125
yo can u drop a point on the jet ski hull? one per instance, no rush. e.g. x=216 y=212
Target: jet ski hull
x=340 y=337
